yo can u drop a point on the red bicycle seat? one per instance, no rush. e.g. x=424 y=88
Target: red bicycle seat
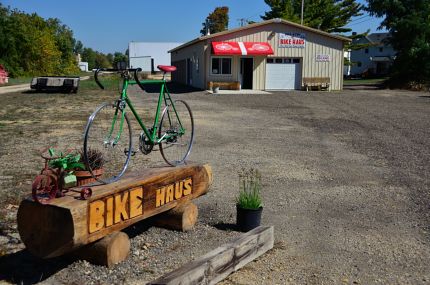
x=166 y=68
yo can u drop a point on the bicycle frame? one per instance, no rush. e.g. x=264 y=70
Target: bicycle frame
x=163 y=96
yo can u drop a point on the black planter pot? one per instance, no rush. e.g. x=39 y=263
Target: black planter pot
x=248 y=219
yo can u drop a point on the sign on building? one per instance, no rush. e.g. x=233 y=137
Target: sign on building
x=292 y=40
x=323 y=58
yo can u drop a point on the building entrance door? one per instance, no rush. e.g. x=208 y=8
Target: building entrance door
x=246 y=71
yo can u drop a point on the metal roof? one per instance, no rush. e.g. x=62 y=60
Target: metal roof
x=377 y=38
x=251 y=26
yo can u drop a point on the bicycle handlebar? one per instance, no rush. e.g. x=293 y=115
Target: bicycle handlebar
x=135 y=70
x=136 y=78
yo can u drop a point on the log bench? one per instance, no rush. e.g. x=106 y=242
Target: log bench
x=91 y=228
x=318 y=83
x=231 y=85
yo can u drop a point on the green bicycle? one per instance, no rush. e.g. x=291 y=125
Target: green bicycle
x=108 y=129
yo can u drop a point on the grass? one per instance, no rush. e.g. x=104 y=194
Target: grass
x=18 y=80
x=360 y=81
x=250 y=188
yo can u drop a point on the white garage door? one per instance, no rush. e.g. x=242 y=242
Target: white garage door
x=283 y=74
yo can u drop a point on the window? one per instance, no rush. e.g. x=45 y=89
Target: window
x=366 y=50
x=278 y=60
x=296 y=60
x=381 y=49
x=221 y=65
x=197 y=65
x=270 y=60
x=287 y=60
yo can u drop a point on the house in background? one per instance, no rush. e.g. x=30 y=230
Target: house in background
x=374 y=60
x=148 y=55
x=83 y=65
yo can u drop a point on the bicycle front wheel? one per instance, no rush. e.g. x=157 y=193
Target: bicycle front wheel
x=177 y=132
x=107 y=143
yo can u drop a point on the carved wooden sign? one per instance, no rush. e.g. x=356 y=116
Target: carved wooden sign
x=69 y=223
x=129 y=204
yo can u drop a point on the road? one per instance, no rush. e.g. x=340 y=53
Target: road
x=23 y=87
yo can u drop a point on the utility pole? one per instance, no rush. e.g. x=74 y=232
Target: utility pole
x=301 y=17
x=242 y=21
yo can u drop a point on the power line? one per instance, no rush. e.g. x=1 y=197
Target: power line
x=355 y=20
x=360 y=22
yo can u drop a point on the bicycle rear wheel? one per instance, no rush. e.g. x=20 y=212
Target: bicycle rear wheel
x=177 y=130
x=107 y=141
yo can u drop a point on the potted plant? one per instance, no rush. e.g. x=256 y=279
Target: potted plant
x=215 y=88
x=96 y=161
x=249 y=203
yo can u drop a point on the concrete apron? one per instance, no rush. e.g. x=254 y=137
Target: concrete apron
x=243 y=91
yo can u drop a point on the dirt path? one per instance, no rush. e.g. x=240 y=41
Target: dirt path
x=23 y=87
x=346 y=179
x=14 y=88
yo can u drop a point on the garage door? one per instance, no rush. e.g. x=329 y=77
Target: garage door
x=283 y=74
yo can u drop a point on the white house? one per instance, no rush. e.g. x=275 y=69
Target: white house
x=375 y=59
x=147 y=55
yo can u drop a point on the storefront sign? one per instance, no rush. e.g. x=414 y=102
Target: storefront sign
x=292 y=40
x=323 y=58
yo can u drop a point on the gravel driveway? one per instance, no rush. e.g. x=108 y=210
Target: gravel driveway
x=346 y=179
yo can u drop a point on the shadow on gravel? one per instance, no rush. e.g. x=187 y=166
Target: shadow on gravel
x=363 y=87
x=24 y=268
x=424 y=96
x=139 y=227
x=226 y=227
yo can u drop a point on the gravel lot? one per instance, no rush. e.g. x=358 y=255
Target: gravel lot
x=346 y=179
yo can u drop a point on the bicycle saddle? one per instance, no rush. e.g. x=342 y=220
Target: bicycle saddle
x=166 y=68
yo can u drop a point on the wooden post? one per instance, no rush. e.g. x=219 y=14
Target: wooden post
x=108 y=251
x=68 y=223
x=181 y=218
x=219 y=263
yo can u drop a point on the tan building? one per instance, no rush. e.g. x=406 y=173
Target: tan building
x=270 y=55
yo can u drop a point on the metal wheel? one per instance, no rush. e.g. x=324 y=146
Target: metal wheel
x=177 y=130
x=86 y=193
x=44 y=188
x=103 y=134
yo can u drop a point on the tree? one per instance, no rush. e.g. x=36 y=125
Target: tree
x=217 y=21
x=327 y=15
x=118 y=57
x=31 y=45
x=408 y=23
x=78 y=48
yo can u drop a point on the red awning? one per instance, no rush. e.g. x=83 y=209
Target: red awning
x=241 y=48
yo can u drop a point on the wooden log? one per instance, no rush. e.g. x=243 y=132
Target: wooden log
x=108 y=251
x=68 y=223
x=219 y=263
x=181 y=218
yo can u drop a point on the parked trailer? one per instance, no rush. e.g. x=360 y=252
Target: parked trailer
x=55 y=83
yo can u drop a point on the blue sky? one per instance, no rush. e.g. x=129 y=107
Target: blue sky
x=108 y=26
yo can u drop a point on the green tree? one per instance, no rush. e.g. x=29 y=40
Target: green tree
x=89 y=55
x=101 y=61
x=217 y=21
x=327 y=15
x=78 y=48
x=119 y=57
x=109 y=57
x=31 y=45
x=408 y=22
